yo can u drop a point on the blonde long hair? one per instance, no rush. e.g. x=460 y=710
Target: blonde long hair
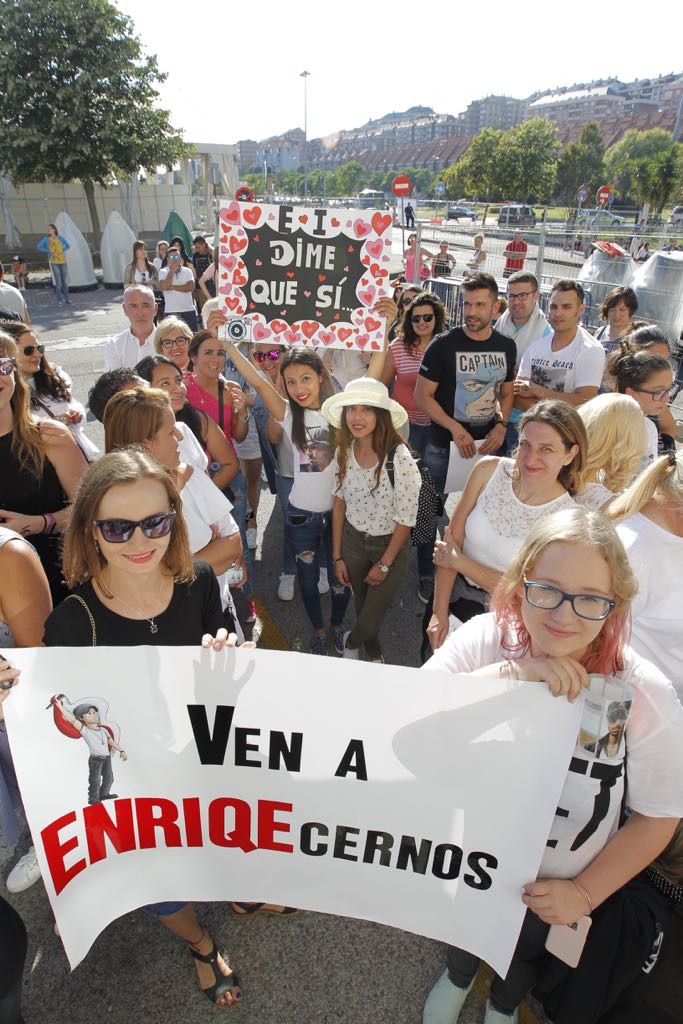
x=617 y=439
x=663 y=478
x=27 y=442
x=571 y=526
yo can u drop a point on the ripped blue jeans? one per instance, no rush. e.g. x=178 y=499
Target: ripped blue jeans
x=309 y=536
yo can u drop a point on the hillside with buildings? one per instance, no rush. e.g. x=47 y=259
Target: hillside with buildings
x=420 y=137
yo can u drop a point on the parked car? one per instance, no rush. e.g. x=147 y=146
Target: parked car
x=458 y=212
x=516 y=215
x=676 y=218
x=599 y=218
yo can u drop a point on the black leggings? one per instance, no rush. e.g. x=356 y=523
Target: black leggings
x=12 y=956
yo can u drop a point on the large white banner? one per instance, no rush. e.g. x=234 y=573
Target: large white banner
x=416 y=799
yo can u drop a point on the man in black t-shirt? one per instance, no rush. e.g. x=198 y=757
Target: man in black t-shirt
x=202 y=258
x=465 y=385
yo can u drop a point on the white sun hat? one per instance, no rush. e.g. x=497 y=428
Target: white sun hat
x=363 y=391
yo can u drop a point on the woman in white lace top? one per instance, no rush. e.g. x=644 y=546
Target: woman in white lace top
x=501 y=502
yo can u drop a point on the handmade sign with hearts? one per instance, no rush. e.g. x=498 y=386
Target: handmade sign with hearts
x=304 y=275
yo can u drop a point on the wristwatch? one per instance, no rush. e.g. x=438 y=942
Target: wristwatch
x=383 y=568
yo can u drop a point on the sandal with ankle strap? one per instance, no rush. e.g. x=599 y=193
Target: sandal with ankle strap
x=247 y=909
x=224 y=982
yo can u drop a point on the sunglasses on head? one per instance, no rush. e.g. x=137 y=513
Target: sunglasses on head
x=28 y=350
x=118 y=531
x=7 y=366
x=273 y=355
x=417 y=317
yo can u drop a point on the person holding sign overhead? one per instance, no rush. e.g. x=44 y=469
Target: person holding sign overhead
x=465 y=386
x=308 y=522
x=560 y=613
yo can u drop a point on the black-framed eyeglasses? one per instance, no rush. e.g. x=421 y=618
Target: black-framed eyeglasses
x=655 y=395
x=519 y=296
x=28 y=350
x=416 y=317
x=586 y=606
x=168 y=343
x=7 y=366
x=273 y=355
x=118 y=531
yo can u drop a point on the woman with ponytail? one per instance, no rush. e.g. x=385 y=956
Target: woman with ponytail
x=650 y=518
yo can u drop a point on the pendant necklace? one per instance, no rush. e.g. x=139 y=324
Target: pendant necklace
x=153 y=628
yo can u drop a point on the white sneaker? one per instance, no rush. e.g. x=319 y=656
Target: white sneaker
x=252 y=538
x=495 y=1017
x=346 y=653
x=285 y=590
x=323 y=582
x=445 y=1001
x=25 y=873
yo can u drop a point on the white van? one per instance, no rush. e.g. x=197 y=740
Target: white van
x=517 y=216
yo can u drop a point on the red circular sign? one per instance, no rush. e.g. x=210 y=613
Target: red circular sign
x=244 y=194
x=604 y=192
x=402 y=185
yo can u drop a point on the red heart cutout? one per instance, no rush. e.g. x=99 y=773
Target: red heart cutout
x=376 y=345
x=261 y=332
x=378 y=271
x=252 y=305
x=251 y=216
x=364 y=280
x=367 y=297
x=224 y=238
x=344 y=333
x=335 y=223
x=237 y=244
x=237 y=278
x=309 y=327
x=224 y=277
x=278 y=326
x=380 y=221
x=326 y=337
x=362 y=340
x=361 y=228
x=372 y=325
x=351 y=248
x=257 y=238
x=290 y=273
x=232 y=303
x=322 y=277
x=366 y=261
x=232 y=214
x=336 y=316
x=304 y=218
x=375 y=248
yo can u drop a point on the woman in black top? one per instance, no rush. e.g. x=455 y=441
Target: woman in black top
x=128 y=562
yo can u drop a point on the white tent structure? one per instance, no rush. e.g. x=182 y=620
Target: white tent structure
x=116 y=250
x=78 y=258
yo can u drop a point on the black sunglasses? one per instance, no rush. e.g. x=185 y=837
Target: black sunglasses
x=427 y=317
x=118 y=531
x=273 y=355
x=7 y=366
x=28 y=350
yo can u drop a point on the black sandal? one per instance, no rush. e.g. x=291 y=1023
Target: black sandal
x=224 y=982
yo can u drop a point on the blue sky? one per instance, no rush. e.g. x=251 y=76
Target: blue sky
x=236 y=75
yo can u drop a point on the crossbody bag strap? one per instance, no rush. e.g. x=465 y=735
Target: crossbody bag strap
x=221 y=411
x=77 y=597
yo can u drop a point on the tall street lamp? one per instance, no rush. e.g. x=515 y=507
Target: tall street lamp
x=305 y=75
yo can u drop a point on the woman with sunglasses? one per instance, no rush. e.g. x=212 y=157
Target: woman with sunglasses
x=501 y=502
x=134 y=582
x=200 y=434
x=560 y=613
x=649 y=515
x=403 y=296
x=50 y=387
x=141 y=270
x=145 y=418
x=172 y=339
x=40 y=469
x=648 y=378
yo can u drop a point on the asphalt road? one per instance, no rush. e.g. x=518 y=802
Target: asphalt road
x=312 y=968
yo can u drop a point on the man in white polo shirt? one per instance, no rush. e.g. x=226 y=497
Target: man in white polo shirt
x=178 y=285
x=137 y=341
x=569 y=363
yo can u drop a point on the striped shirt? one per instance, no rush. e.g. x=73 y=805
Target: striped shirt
x=406 y=367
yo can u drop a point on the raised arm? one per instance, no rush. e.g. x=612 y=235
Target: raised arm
x=274 y=403
x=387 y=308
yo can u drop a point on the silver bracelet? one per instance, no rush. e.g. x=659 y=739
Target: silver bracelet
x=508 y=669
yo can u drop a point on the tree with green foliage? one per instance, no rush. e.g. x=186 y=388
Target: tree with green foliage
x=475 y=173
x=645 y=163
x=351 y=178
x=581 y=163
x=78 y=96
x=526 y=161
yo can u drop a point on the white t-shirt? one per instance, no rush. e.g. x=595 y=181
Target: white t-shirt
x=594 y=496
x=590 y=803
x=578 y=365
x=656 y=557
x=314 y=468
x=652 y=450
x=61 y=407
x=97 y=740
x=377 y=511
x=12 y=299
x=191 y=451
x=124 y=349
x=204 y=505
x=175 y=301
x=347 y=366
